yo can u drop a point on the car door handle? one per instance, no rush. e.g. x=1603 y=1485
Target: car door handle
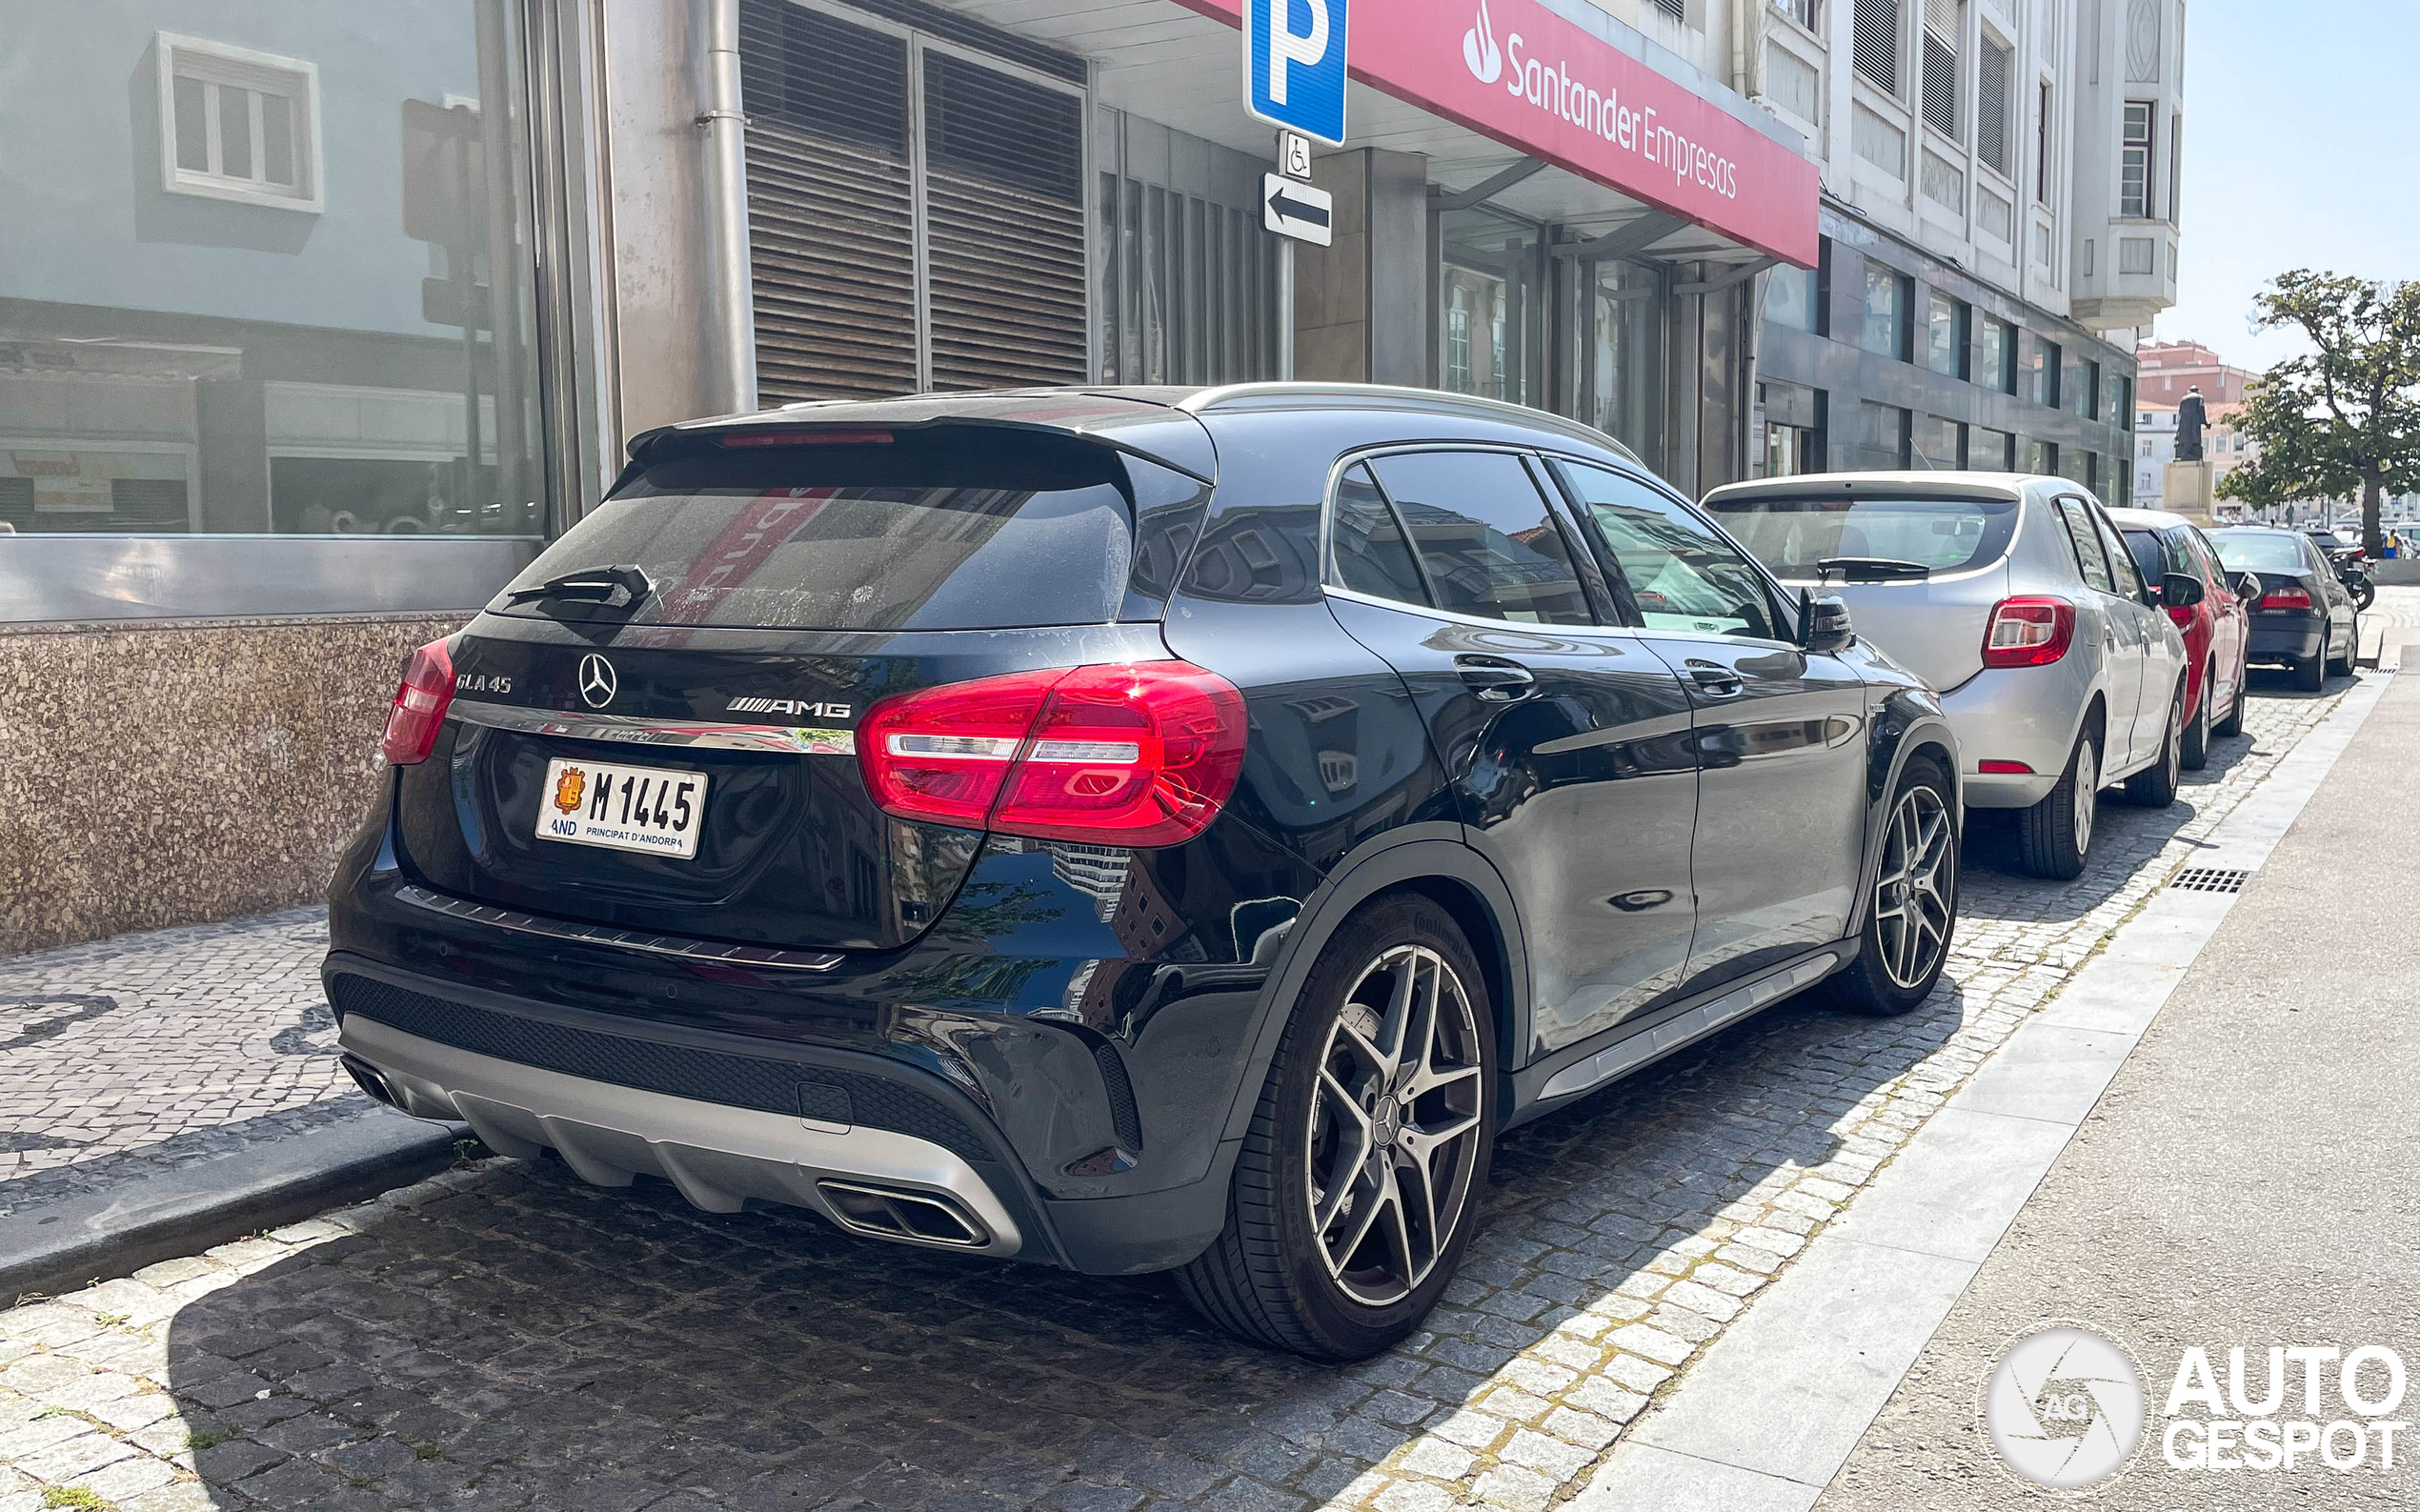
x=1714 y=679
x=1497 y=680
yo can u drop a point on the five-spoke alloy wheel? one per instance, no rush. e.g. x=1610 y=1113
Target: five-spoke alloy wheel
x=1359 y=1180
x=1394 y=1125
x=1912 y=899
x=1913 y=912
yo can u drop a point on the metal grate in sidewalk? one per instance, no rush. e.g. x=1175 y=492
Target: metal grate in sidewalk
x=2209 y=879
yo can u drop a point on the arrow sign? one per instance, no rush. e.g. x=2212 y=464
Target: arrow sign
x=1297 y=210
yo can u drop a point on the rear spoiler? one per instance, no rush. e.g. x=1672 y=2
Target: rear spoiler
x=1156 y=432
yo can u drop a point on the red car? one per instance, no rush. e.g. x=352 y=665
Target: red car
x=2217 y=631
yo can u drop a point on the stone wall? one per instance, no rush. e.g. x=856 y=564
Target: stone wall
x=180 y=773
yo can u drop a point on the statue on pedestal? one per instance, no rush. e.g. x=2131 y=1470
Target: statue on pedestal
x=2191 y=417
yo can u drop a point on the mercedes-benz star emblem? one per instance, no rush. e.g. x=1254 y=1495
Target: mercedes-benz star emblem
x=597 y=683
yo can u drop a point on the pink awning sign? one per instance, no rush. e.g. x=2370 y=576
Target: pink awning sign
x=1517 y=72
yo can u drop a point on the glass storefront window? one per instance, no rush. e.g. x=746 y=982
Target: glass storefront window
x=1793 y=427
x=1940 y=445
x=282 y=284
x=1794 y=299
x=1990 y=450
x=1996 y=365
x=1946 y=335
x=1883 y=445
x=1626 y=391
x=1890 y=299
x=1492 y=316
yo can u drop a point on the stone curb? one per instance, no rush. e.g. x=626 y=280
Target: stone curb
x=68 y=1244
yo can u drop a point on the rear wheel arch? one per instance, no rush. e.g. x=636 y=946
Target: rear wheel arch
x=1484 y=931
x=1433 y=861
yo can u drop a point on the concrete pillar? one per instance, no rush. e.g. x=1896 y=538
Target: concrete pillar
x=1360 y=312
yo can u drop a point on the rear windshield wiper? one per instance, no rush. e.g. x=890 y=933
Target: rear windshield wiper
x=1872 y=569
x=612 y=587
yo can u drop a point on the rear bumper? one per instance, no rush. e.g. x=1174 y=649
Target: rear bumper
x=877 y=1147
x=2027 y=715
x=2295 y=639
x=719 y=1157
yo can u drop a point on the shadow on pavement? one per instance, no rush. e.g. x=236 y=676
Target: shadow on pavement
x=526 y=1340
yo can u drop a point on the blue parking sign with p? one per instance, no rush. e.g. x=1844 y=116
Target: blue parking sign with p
x=1294 y=64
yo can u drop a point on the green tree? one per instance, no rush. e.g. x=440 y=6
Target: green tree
x=2344 y=418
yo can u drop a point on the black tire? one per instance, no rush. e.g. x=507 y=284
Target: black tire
x=2228 y=728
x=1886 y=981
x=2363 y=594
x=2198 y=730
x=2342 y=666
x=2311 y=673
x=2156 y=786
x=2047 y=837
x=1268 y=1277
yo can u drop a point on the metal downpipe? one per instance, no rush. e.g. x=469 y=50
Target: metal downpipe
x=731 y=357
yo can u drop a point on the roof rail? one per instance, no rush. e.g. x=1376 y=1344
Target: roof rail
x=1254 y=394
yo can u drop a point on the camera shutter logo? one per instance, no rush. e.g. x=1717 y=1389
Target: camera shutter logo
x=597 y=683
x=2065 y=1408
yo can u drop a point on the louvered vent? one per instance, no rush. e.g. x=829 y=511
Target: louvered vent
x=1677 y=9
x=1004 y=166
x=831 y=204
x=1945 y=24
x=1991 y=107
x=1876 y=27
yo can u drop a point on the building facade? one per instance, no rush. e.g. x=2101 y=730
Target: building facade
x=2000 y=216
x=2167 y=369
x=318 y=322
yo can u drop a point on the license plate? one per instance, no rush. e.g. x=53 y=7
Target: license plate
x=643 y=809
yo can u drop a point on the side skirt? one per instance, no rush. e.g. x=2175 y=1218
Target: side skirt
x=1602 y=1060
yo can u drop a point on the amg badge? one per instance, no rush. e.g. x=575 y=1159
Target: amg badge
x=796 y=708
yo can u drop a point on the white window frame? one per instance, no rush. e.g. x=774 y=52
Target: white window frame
x=223 y=64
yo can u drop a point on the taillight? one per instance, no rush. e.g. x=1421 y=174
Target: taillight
x=1141 y=754
x=420 y=706
x=2033 y=631
x=2287 y=598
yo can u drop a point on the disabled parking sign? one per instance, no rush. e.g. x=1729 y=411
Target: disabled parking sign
x=1294 y=64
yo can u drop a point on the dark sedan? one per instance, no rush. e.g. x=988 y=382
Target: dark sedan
x=2304 y=618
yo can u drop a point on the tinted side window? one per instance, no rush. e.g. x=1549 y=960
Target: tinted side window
x=2089 y=554
x=2149 y=553
x=1683 y=575
x=1485 y=537
x=2122 y=570
x=1367 y=544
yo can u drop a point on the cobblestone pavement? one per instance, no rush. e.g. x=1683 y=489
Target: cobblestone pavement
x=149 y=1051
x=503 y=1335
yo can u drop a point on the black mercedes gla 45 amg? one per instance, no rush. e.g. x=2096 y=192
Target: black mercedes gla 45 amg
x=1127 y=829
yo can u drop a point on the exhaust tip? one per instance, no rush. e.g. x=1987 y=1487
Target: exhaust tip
x=894 y=1213
x=372 y=1080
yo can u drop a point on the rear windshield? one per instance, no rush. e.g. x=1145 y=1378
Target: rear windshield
x=2259 y=552
x=980 y=533
x=1794 y=536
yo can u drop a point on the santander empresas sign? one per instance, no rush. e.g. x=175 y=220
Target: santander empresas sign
x=1518 y=72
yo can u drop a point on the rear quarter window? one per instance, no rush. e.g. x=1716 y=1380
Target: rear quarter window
x=921 y=532
x=1793 y=537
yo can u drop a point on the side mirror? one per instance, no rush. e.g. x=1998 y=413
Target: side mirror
x=2247 y=589
x=1822 y=623
x=2180 y=590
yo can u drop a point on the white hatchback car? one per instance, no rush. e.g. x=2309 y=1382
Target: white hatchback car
x=2017 y=599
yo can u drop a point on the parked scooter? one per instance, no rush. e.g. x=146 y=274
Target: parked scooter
x=2352 y=569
